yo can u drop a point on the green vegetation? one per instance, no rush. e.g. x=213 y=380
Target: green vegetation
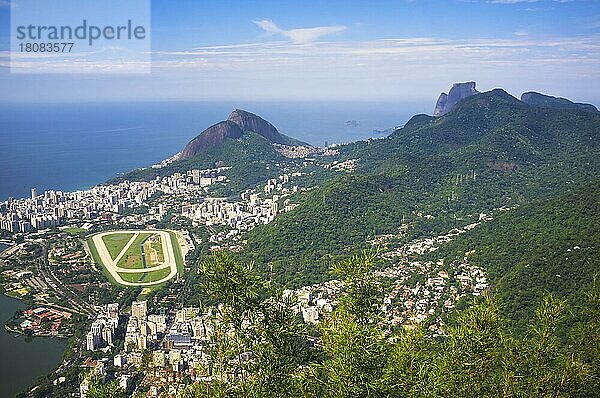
x=150 y=276
x=74 y=231
x=491 y=151
x=358 y=357
x=133 y=256
x=546 y=246
x=116 y=242
x=99 y=389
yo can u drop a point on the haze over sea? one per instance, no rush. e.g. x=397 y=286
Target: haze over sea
x=78 y=145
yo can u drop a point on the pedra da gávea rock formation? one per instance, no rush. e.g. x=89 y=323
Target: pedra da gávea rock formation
x=459 y=91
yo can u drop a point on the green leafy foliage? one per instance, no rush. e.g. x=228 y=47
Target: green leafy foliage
x=362 y=290
x=100 y=389
x=478 y=357
x=252 y=319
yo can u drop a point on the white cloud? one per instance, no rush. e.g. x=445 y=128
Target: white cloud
x=302 y=35
x=268 y=26
x=404 y=68
x=385 y=68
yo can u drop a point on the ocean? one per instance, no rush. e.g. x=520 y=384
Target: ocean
x=78 y=145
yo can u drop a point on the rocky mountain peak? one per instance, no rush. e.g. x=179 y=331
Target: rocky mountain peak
x=211 y=137
x=250 y=122
x=238 y=122
x=459 y=91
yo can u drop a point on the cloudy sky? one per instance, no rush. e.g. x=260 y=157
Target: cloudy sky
x=342 y=50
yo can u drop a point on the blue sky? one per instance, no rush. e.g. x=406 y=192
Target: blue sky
x=342 y=50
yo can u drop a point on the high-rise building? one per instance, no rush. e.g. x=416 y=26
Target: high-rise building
x=107 y=335
x=97 y=328
x=112 y=310
x=119 y=360
x=33 y=193
x=91 y=341
x=139 y=309
x=196 y=176
x=160 y=321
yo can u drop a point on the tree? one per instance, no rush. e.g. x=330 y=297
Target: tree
x=361 y=299
x=469 y=362
x=259 y=344
x=353 y=340
x=265 y=353
x=551 y=367
x=231 y=284
x=98 y=389
x=280 y=350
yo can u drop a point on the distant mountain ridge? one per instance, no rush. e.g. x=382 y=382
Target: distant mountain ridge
x=461 y=91
x=547 y=101
x=238 y=122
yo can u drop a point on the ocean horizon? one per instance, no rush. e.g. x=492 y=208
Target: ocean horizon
x=72 y=146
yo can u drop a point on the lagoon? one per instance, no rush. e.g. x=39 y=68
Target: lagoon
x=24 y=359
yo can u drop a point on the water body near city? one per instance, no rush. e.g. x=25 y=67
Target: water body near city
x=24 y=359
x=76 y=146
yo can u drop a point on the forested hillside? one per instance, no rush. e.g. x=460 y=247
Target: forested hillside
x=546 y=246
x=491 y=151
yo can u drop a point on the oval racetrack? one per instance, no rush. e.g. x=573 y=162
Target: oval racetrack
x=112 y=267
